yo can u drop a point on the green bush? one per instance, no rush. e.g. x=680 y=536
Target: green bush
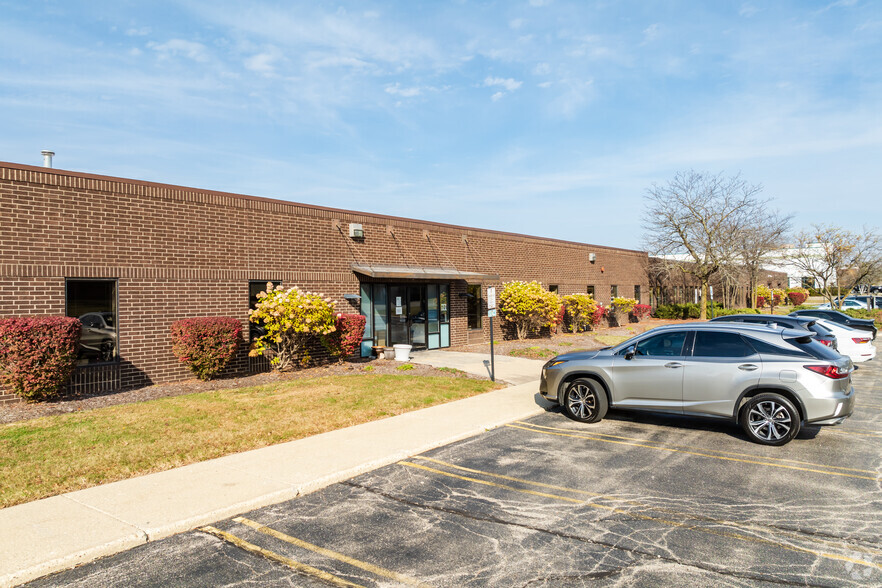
x=804 y=307
x=875 y=315
x=206 y=344
x=678 y=311
x=729 y=311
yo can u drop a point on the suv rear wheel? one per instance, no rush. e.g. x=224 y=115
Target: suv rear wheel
x=585 y=401
x=770 y=419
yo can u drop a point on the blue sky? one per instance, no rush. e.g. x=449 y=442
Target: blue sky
x=541 y=117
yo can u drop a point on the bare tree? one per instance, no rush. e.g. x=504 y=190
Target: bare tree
x=836 y=259
x=765 y=234
x=691 y=222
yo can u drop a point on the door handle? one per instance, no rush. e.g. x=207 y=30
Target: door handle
x=747 y=367
x=673 y=364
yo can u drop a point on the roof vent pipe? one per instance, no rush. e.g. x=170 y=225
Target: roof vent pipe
x=47 y=157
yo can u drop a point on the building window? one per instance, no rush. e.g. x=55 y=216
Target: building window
x=590 y=291
x=94 y=302
x=613 y=291
x=474 y=306
x=255 y=287
x=637 y=293
x=553 y=288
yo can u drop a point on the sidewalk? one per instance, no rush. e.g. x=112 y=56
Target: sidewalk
x=60 y=532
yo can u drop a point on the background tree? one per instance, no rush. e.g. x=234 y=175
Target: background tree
x=837 y=260
x=755 y=241
x=692 y=219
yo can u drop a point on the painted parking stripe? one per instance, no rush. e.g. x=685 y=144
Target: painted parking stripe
x=731 y=535
x=272 y=556
x=842 y=544
x=757 y=461
x=379 y=571
x=712 y=451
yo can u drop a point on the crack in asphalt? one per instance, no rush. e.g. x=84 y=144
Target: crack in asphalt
x=644 y=554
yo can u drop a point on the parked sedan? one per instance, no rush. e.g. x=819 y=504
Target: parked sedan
x=770 y=381
x=856 y=344
x=821 y=334
x=847 y=304
x=839 y=318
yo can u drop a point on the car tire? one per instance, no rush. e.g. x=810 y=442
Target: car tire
x=770 y=419
x=585 y=401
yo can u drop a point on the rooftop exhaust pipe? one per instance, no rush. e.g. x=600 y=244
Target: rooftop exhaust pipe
x=47 y=157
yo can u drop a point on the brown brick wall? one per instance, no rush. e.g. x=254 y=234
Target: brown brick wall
x=180 y=252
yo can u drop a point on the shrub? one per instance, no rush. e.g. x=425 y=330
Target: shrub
x=346 y=339
x=528 y=306
x=579 y=310
x=294 y=322
x=804 y=307
x=764 y=291
x=797 y=296
x=875 y=315
x=677 y=311
x=206 y=344
x=598 y=315
x=761 y=301
x=38 y=354
x=728 y=311
x=778 y=296
x=641 y=311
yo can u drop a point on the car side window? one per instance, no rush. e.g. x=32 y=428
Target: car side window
x=769 y=349
x=718 y=344
x=665 y=345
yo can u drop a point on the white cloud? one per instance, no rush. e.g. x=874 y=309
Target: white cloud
x=141 y=32
x=516 y=23
x=509 y=84
x=397 y=90
x=747 y=10
x=651 y=33
x=542 y=69
x=189 y=49
x=261 y=63
x=497 y=96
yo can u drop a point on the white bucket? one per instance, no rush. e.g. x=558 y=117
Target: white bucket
x=402 y=352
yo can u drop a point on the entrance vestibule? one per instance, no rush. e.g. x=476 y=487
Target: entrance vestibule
x=405 y=313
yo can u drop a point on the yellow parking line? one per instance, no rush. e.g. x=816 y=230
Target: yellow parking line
x=673 y=450
x=401 y=578
x=270 y=555
x=868 y=406
x=737 y=536
x=713 y=451
x=856 y=434
x=612 y=498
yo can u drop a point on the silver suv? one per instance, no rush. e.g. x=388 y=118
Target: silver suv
x=769 y=380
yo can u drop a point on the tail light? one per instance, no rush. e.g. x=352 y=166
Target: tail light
x=827 y=342
x=831 y=371
x=861 y=339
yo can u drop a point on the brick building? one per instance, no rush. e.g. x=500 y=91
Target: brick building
x=130 y=257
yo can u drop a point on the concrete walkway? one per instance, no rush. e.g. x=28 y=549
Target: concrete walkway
x=56 y=533
x=513 y=370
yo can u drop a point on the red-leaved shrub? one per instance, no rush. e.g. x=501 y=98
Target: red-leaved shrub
x=760 y=301
x=346 y=340
x=797 y=298
x=38 y=354
x=598 y=316
x=206 y=344
x=641 y=311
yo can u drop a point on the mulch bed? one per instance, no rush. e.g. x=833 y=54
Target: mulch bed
x=10 y=413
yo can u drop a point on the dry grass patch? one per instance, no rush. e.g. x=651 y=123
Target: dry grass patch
x=611 y=340
x=51 y=455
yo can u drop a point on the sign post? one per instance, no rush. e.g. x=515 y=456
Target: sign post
x=491 y=312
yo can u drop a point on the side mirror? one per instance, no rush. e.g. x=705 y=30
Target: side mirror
x=629 y=353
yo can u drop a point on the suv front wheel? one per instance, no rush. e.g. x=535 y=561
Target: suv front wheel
x=770 y=419
x=585 y=401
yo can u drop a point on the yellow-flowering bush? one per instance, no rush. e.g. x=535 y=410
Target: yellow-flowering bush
x=623 y=306
x=292 y=320
x=580 y=310
x=528 y=306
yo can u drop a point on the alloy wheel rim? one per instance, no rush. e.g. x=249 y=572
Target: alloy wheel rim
x=581 y=401
x=770 y=421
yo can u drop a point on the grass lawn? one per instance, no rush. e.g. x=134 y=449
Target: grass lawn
x=611 y=340
x=52 y=455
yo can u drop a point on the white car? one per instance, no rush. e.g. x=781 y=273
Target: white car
x=846 y=304
x=854 y=343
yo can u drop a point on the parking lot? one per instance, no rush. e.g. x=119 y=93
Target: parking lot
x=635 y=499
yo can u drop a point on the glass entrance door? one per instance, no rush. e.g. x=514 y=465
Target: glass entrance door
x=407 y=315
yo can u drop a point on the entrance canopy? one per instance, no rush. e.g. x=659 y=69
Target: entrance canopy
x=407 y=272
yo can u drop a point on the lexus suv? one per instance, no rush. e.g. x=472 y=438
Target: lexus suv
x=771 y=381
